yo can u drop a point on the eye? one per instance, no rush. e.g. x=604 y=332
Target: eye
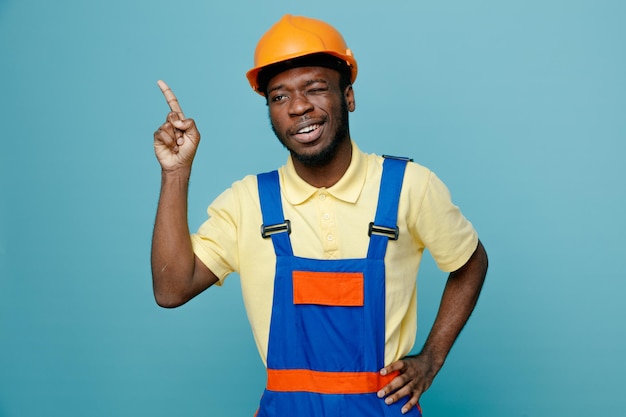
x=278 y=98
x=317 y=90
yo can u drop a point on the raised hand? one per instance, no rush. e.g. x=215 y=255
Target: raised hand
x=176 y=140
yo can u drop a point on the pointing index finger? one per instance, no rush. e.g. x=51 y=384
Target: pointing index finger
x=171 y=99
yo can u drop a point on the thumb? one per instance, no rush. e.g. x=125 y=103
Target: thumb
x=187 y=125
x=173 y=117
x=179 y=122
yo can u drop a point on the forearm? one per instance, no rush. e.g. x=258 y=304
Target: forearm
x=458 y=301
x=416 y=373
x=172 y=254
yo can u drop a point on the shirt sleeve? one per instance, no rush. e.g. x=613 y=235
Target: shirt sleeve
x=215 y=242
x=449 y=237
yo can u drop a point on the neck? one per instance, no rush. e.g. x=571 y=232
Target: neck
x=327 y=175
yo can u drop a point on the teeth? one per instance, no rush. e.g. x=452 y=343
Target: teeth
x=308 y=129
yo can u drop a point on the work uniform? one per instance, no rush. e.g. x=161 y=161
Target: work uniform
x=327 y=330
x=332 y=224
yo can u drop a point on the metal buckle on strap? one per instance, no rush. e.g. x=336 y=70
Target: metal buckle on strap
x=391 y=232
x=267 y=231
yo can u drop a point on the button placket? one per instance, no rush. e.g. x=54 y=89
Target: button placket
x=328 y=227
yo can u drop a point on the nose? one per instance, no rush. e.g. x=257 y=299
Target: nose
x=299 y=105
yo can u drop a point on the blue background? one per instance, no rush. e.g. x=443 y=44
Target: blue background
x=519 y=106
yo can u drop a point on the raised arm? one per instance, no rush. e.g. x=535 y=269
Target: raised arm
x=177 y=274
x=457 y=303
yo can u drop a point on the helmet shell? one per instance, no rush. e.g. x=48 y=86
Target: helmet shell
x=297 y=36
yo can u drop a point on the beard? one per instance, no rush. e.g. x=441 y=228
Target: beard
x=324 y=156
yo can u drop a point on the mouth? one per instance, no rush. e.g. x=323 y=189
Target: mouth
x=308 y=134
x=308 y=129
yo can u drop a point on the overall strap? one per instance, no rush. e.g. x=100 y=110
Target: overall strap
x=274 y=224
x=384 y=227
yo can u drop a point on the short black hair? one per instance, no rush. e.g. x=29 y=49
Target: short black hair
x=313 y=60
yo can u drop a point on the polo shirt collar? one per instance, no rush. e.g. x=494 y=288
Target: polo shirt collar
x=348 y=188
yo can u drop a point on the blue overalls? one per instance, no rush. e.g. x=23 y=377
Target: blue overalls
x=327 y=330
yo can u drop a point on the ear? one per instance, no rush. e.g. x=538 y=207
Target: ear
x=348 y=95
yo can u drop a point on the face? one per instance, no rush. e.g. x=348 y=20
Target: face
x=309 y=113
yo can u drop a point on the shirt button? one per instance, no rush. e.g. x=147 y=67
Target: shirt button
x=322 y=196
x=329 y=237
x=326 y=216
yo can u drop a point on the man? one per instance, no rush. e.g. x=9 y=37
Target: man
x=327 y=247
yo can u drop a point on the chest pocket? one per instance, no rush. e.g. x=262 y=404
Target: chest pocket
x=328 y=288
x=329 y=303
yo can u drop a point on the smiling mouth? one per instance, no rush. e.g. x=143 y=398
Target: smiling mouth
x=308 y=129
x=308 y=134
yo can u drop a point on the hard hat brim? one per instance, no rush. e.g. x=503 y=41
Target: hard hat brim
x=259 y=77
